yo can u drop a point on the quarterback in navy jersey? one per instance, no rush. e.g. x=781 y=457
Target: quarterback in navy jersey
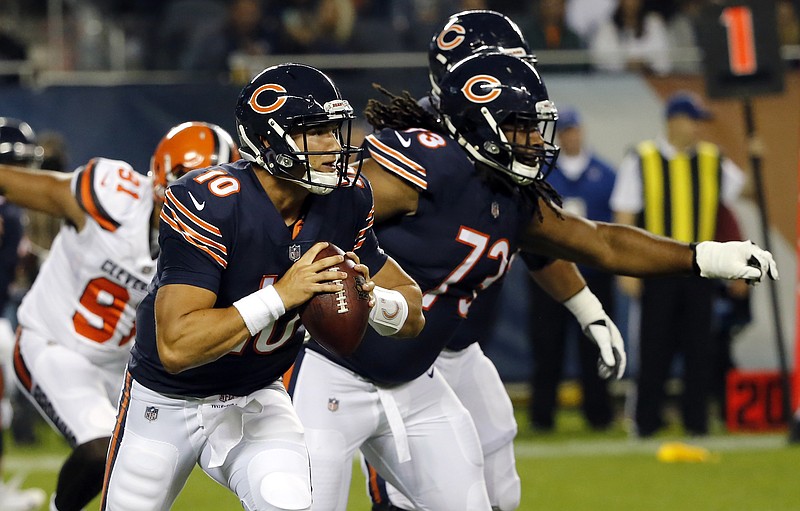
x=220 y=323
x=202 y=248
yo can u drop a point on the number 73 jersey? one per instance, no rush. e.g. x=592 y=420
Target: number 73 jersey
x=88 y=288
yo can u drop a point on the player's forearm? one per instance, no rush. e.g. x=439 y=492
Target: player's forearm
x=615 y=248
x=393 y=278
x=416 y=320
x=34 y=189
x=559 y=279
x=635 y=252
x=199 y=337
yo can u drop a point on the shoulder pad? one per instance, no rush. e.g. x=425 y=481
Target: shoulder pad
x=406 y=153
x=111 y=192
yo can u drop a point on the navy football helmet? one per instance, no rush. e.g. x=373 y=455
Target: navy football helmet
x=469 y=32
x=18 y=145
x=496 y=106
x=289 y=100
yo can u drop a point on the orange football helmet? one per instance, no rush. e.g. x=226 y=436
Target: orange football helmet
x=186 y=147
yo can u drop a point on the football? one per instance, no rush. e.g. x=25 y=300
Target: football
x=338 y=321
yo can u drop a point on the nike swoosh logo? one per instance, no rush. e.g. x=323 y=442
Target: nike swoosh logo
x=198 y=205
x=430 y=373
x=406 y=142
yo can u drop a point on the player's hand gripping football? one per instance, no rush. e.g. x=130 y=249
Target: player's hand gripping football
x=307 y=277
x=599 y=328
x=368 y=285
x=734 y=260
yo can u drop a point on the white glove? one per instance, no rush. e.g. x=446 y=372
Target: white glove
x=598 y=327
x=734 y=260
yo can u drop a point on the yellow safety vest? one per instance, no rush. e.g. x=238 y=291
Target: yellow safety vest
x=681 y=195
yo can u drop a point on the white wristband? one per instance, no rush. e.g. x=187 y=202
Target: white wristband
x=390 y=311
x=585 y=307
x=260 y=309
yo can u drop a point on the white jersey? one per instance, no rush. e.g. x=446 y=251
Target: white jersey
x=87 y=291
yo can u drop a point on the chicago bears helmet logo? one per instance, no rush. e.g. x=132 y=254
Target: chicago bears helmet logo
x=277 y=101
x=481 y=89
x=456 y=29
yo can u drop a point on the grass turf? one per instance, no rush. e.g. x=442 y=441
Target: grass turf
x=572 y=469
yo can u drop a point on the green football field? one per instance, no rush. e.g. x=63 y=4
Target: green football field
x=573 y=469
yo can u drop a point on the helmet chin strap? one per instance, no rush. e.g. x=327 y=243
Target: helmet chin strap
x=322 y=183
x=520 y=173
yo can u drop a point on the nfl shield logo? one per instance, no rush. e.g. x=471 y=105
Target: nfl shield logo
x=333 y=404
x=294 y=252
x=495 y=210
x=151 y=413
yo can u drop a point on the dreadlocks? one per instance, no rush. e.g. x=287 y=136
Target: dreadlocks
x=401 y=113
x=404 y=112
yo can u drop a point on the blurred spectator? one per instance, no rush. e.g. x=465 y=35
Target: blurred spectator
x=245 y=29
x=318 y=26
x=416 y=20
x=585 y=182
x=681 y=31
x=674 y=187
x=584 y=17
x=12 y=51
x=633 y=39
x=789 y=26
x=182 y=30
x=548 y=31
x=40 y=227
x=17 y=147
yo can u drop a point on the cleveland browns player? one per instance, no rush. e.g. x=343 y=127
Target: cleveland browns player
x=76 y=323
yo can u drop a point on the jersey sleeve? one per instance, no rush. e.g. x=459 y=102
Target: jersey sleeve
x=400 y=153
x=110 y=192
x=194 y=248
x=366 y=243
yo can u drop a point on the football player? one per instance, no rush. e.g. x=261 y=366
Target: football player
x=397 y=194
x=78 y=317
x=480 y=196
x=220 y=324
x=462 y=363
x=18 y=146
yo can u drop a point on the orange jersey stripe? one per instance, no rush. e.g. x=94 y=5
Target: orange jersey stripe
x=194 y=218
x=388 y=165
x=194 y=234
x=116 y=437
x=397 y=154
x=20 y=368
x=177 y=228
x=86 y=197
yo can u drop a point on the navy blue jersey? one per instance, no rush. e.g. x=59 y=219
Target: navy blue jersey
x=457 y=243
x=220 y=231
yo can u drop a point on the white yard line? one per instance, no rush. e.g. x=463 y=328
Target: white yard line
x=523 y=449
x=590 y=448
x=33 y=462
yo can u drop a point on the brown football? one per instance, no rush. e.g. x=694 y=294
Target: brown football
x=338 y=321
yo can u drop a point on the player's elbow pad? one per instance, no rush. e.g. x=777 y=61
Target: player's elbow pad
x=390 y=311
